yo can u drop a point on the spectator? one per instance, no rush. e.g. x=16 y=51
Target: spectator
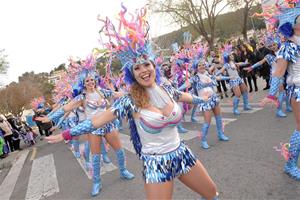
x=7 y=132
x=3 y=151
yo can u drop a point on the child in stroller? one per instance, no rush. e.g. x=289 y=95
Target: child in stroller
x=27 y=134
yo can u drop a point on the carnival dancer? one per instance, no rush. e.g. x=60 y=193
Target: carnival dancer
x=95 y=101
x=236 y=83
x=272 y=43
x=288 y=60
x=204 y=84
x=180 y=65
x=152 y=114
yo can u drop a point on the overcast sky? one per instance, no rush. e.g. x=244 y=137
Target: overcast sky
x=39 y=35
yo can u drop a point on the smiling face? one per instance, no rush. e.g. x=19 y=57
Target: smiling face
x=201 y=67
x=274 y=47
x=144 y=74
x=89 y=83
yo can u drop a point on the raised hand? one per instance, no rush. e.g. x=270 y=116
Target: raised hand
x=53 y=128
x=54 y=138
x=248 y=69
x=267 y=100
x=43 y=119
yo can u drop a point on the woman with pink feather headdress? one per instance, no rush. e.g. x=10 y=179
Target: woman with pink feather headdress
x=95 y=101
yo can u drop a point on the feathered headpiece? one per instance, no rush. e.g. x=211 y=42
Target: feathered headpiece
x=271 y=38
x=130 y=42
x=38 y=103
x=187 y=38
x=79 y=71
x=175 y=47
x=199 y=56
x=63 y=88
x=226 y=51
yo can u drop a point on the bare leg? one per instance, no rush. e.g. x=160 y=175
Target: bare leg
x=296 y=109
x=199 y=181
x=113 y=140
x=155 y=191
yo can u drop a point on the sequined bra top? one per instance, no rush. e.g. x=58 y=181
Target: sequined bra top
x=93 y=105
x=158 y=133
x=231 y=70
x=203 y=83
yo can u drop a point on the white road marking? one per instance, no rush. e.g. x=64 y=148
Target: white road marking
x=42 y=181
x=9 y=183
x=126 y=143
x=104 y=167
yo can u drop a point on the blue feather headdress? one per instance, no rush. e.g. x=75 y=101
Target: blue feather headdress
x=199 y=56
x=287 y=18
x=226 y=51
x=271 y=38
x=130 y=43
x=80 y=70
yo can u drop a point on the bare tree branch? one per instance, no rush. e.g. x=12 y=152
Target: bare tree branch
x=193 y=13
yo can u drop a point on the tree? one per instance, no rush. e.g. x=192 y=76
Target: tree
x=246 y=5
x=59 y=68
x=16 y=97
x=193 y=12
x=40 y=81
x=3 y=62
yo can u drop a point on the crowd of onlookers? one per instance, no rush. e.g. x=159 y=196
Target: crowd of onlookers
x=245 y=51
x=15 y=132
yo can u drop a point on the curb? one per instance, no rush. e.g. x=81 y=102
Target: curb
x=9 y=160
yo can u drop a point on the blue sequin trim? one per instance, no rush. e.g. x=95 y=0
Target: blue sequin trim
x=210 y=104
x=107 y=128
x=165 y=167
x=176 y=94
x=289 y=52
x=235 y=82
x=106 y=93
x=293 y=92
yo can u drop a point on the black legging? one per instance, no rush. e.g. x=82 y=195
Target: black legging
x=250 y=77
x=9 y=141
x=17 y=144
x=223 y=84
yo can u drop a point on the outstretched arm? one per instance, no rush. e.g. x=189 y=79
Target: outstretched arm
x=280 y=69
x=87 y=126
x=256 y=65
x=120 y=109
x=55 y=116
